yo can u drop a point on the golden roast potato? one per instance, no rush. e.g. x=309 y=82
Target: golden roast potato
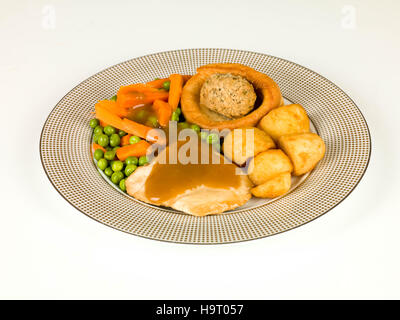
x=304 y=149
x=268 y=164
x=273 y=187
x=238 y=149
x=285 y=120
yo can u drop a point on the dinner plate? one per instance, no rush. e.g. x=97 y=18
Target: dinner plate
x=66 y=157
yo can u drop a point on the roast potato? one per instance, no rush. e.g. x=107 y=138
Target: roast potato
x=285 y=120
x=267 y=165
x=238 y=149
x=304 y=150
x=274 y=187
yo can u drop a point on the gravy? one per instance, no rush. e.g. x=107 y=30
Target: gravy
x=169 y=180
x=144 y=114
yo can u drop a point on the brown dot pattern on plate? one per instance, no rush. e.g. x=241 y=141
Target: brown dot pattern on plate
x=66 y=158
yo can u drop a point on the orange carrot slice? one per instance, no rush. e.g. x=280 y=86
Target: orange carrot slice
x=125 y=140
x=135 y=128
x=136 y=87
x=133 y=150
x=156 y=95
x=140 y=130
x=105 y=115
x=113 y=107
x=175 y=90
x=96 y=146
x=164 y=112
x=158 y=83
x=135 y=94
x=103 y=124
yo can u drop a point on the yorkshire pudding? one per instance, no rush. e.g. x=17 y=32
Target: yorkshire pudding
x=267 y=90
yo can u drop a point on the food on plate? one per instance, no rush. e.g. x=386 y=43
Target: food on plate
x=191 y=188
x=305 y=150
x=274 y=187
x=239 y=149
x=175 y=90
x=227 y=94
x=268 y=164
x=160 y=141
x=285 y=120
x=267 y=91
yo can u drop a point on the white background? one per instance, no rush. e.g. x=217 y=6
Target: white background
x=50 y=250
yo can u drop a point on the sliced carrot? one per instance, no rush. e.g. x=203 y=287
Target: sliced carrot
x=133 y=95
x=137 y=87
x=103 y=124
x=175 y=90
x=133 y=150
x=113 y=107
x=142 y=131
x=157 y=95
x=125 y=140
x=158 y=83
x=105 y=115
x=164 y=112
x=128 y=100
x=96 y=146
x=135 y=128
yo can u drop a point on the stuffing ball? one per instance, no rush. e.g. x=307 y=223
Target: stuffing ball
x=227 y=94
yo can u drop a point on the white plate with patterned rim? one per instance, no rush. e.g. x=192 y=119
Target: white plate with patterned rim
x=66 y=157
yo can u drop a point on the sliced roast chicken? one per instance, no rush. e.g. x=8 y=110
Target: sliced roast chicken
x=197 y=189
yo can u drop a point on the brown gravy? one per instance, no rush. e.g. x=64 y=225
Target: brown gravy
x=169 y=180
x=143 y=114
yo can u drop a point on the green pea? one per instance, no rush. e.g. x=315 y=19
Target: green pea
x=113 y=98
x=108 y=148
x=98 y=154
x=141 y=115
x=183 y=125
x=122 y=185
x=131 y=160
x=108 y=130
x=117 y=165
x=108 y=171
x=102 y=164
x=103 y=140
x=152 y=121
x=98 y=130
x=94 y=123
x=178 y=111
x=203 y=135
x=116 y=177
x=96 y=138
x=109 y=155
x=116 y=148
x=122 y=133
x=175 y=116
x=130 y=168
x=134 y=139
x=115 y=140
x=143 y=160
x=212 y=138
x=166 y=85
x=195 y=127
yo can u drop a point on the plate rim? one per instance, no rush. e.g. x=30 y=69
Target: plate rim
x=223 y=242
